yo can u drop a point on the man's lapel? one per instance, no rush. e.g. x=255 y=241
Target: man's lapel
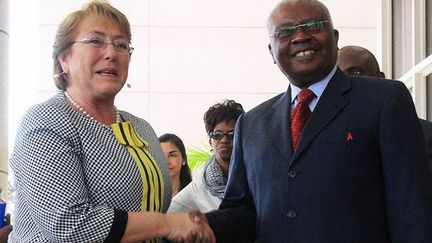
x=329 y=106
x=279 y=125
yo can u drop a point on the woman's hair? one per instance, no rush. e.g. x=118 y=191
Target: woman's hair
x=185 y=174
x=68 y=27
x=225 y=111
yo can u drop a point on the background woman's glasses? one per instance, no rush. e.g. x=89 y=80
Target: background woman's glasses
x=218 y=135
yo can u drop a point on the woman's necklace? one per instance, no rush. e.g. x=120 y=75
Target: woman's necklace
x=85 y=113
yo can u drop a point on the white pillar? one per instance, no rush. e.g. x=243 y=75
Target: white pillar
x=4 y=79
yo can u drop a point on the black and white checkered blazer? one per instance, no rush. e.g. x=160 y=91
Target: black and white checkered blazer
x=72 y=176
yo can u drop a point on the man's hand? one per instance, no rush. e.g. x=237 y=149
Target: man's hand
x=190 y=227
x=197 y=217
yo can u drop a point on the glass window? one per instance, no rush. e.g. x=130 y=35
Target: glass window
x=402 y=37
x=429 y=52
x=428 y=28
x=429 y=97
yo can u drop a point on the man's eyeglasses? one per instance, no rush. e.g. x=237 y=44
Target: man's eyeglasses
x=218 y=135
x=119 y=46
x=308 y=27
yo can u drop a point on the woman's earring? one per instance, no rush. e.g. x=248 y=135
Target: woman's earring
x=59 y=74
x=184 y=163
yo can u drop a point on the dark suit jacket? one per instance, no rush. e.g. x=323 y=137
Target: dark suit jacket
x=427 y=132
x=359 y=173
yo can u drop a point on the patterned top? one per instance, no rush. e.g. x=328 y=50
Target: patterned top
x=74 y=182
x=205 y=191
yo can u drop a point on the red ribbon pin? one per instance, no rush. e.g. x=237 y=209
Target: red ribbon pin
x=349 y=136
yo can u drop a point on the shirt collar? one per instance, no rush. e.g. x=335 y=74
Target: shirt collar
x=317 y=88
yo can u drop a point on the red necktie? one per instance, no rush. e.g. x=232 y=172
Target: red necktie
x=300 y=115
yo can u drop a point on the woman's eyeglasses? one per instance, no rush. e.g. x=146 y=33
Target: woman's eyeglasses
x=120 y=45
x=218 y=135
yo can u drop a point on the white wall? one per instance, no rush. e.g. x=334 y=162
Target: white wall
x=188 y=55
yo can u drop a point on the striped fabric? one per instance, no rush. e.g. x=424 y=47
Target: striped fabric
x=151 y=175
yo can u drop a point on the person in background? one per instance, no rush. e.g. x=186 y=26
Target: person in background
x=358 y=61
x=206 y=191
x=6 y=226
x=5 y=230
x=335 y=158
x=4 y=233
x=175 y=154
x=85 y=171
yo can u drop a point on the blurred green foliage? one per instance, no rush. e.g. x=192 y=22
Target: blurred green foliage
x=197 y=156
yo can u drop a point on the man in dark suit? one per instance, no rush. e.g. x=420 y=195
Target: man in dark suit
x=359 y=61
x=357 y=173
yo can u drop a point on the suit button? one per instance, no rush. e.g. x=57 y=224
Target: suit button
x=291 y=214
x=292 y=173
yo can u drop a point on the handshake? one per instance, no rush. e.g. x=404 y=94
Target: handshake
x=192 y=227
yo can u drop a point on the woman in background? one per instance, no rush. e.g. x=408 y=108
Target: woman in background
x=206 y=191
x=175 y=154
x=85 y=171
